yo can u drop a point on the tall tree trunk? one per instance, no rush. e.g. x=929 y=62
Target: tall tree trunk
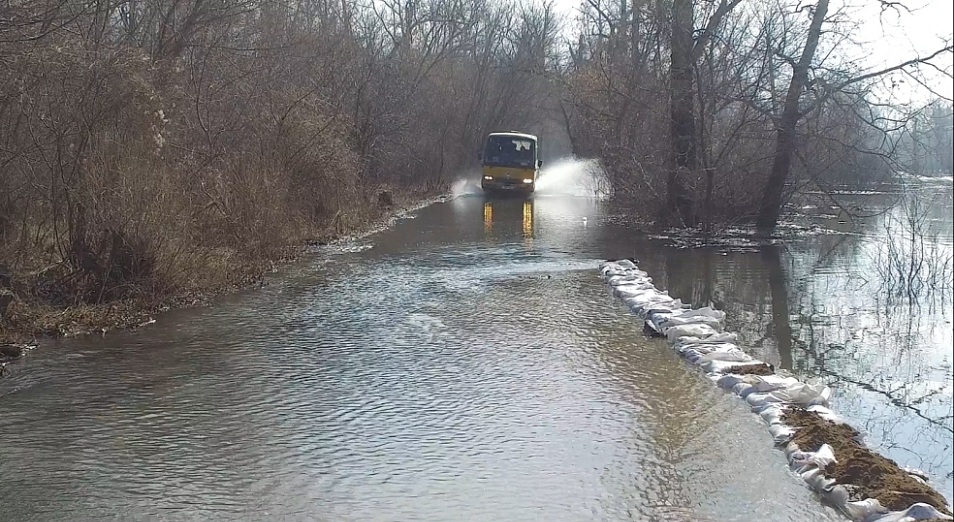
x=772 y=195
x=682 y=113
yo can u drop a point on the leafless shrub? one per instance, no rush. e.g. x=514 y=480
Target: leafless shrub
x=912 y=262
x=147 y=152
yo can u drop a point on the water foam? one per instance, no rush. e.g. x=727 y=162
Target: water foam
x=465 y=187
x=573 y=177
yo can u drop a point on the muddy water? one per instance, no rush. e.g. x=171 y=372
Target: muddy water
x=465 y=365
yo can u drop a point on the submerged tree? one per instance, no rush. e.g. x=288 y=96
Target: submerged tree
x=771 y=205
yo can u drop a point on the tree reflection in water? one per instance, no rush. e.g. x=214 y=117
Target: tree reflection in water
x=814 y=307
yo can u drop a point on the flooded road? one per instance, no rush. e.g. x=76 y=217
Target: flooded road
x=466 y=364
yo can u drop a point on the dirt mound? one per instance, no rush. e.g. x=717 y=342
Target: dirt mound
x=752 y=369
x=865 y=473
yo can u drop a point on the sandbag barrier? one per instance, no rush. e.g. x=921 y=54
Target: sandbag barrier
x=864 y=485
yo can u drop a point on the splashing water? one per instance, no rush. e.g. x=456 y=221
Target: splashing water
x=573 y=177
x=566 y=177
x=465 y=187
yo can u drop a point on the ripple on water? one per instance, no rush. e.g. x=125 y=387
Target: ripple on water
x=454 y=384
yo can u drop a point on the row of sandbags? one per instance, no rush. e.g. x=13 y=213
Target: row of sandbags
x=698 y=335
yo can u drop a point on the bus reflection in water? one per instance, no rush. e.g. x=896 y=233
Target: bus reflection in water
x=505 y=218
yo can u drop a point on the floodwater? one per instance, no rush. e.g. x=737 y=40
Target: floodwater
x=468 y=364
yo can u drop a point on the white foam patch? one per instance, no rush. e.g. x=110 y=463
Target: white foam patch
x=573 y=177
x=698 y=336
x=465 y=187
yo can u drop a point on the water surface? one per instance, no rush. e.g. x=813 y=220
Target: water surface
x=465 y=365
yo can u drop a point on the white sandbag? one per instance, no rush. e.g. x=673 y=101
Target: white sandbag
x=919 y=511
x=742 y=389
x=631 y=290
x=696 y=357
x=729 y=356
x=790 y=449
x=757 y=400
x=723 y=337
x=640 y=294
x=624 y=279
x=745 y=391
x=701 y=331
x=656 y=318
x=773 y=415
x=608 y=270
x=630 y=278
x=678 y=320
x=824 y=456
x=804 y=461
x=825 y=413
x=700 y=344
x=863 y=509
x=640 y=308
x=704 y=347
x=781 y=433
x=706 y=311
x=804 y=394
x=656 y=305
x=695 y=351
x=767 y=383
x=837 y=495
x=816 y=479
x=729 y=380
x=646 y=297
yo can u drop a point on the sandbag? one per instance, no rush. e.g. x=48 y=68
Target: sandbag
x=767 y=383
x=705 y=311
x=698 y=336
x=817 y=480
x=704 y=347
x=678 y=320
x=646 y=297
x=701 y=331
x=801 y=394
x=773 y=414
x=729 y=381
x=624 y=279
x=720 y=337
x=701 y=356
x=781 y=433
x=802 y=461
x=632 y=290
x=825 y=413
x=737 y=356
x=805 y=394
x=644 y=309
x=919 y=511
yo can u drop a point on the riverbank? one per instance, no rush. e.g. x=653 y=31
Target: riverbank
x=29 y=318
